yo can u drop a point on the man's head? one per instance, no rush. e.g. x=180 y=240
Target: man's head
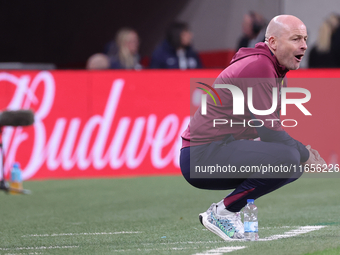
x=286 y=36
x=127 y=41
x=252 y=24
x=179 y=35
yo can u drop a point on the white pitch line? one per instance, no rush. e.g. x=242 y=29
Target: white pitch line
x=299 y=231
x=38 y=248
x=291 y=233
x=221 y=250
x=279 y=227
x=158 y=249
x=83 y=234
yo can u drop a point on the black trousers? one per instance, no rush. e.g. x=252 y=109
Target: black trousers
x=242 y=154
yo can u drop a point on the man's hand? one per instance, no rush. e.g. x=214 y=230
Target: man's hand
x=314 y=157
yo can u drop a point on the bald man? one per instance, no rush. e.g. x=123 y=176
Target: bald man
x=263 y=69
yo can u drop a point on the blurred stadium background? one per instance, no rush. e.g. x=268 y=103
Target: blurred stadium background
x=67 y=33
x=102 y=156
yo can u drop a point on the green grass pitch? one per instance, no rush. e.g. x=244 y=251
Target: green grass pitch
x=159 y=215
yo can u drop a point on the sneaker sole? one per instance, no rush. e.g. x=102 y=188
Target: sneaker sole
x=212 y=228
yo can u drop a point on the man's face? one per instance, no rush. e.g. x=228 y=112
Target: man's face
x=291 y=46
x=132 y=42
x=186 y=38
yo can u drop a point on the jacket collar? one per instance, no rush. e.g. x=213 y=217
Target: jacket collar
x=280 y=69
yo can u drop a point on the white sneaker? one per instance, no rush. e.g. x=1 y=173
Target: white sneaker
x=228 y=226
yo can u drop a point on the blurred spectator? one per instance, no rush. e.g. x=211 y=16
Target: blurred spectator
x=326 y=52
x=98 y=61
x=336 y=44
x=254 y=29
x=176 y=52
x=123 y=52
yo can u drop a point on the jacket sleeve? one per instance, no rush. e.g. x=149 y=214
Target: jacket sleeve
x=269 y=126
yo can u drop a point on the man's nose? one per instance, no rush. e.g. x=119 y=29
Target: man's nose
x=304 y=45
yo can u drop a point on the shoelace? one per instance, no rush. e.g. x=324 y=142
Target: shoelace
x=226 y=224
x=223 y=222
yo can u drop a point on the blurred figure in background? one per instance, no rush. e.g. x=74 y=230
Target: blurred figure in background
x=176 y=52
x=123 y=51
x=336 y=44
x=325 y=53
x=98 y=61
x=254 y=28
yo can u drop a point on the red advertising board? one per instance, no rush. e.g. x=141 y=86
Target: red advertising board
x=118 y=123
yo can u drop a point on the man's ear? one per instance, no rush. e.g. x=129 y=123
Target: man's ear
x=272 y=42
